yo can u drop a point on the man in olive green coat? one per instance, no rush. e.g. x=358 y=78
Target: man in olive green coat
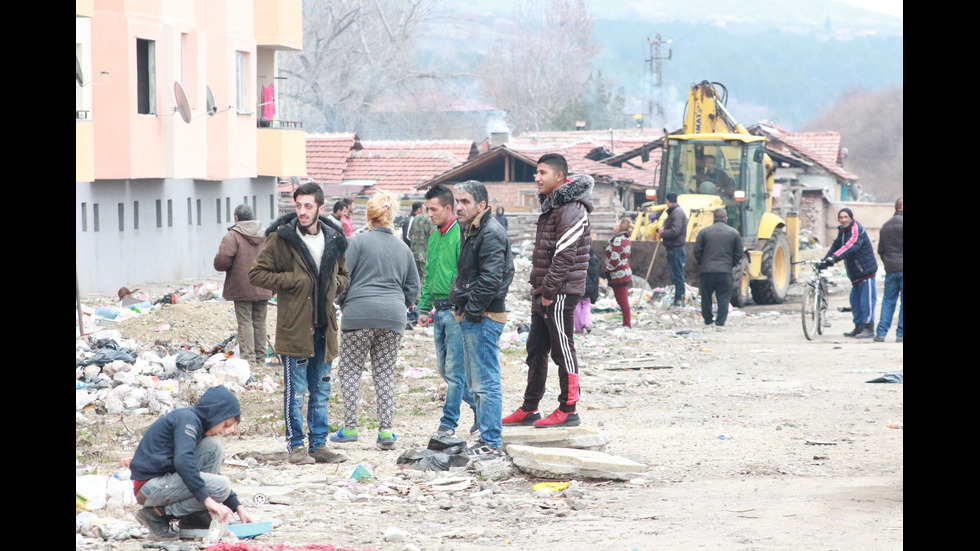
x=303 y=262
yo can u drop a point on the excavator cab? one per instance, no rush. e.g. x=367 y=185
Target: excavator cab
x=722 y=171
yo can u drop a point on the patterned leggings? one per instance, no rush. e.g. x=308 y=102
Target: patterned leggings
x=355 y=345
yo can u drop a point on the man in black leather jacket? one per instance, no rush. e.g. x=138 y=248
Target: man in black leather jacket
x=485 y=270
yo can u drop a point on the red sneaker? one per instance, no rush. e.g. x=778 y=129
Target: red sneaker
x=559 y=418
x=521 y=417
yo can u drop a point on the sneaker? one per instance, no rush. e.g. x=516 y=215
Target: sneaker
x=559 y=418
x=344 y=435
x=386 y=439
x=879 y=339
x=298 y=456
x=475 y=428
x=199 y=520
x=899 y=339
x=483 y=451
x=157 y=522
x=521 y=417
x=323 y=455
x=445 y=431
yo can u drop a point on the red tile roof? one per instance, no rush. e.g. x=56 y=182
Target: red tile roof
x=398 y=171
x=326 y=156
x=462 y=149
x=821 y=148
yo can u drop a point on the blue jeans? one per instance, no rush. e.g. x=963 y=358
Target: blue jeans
x=302 y=375
x=894 y=290
x=449 y=357
x=481 y=346
x=170 y=492
x=676 y=258
x=863 y=297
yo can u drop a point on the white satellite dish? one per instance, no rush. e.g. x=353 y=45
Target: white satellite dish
x=183 y=107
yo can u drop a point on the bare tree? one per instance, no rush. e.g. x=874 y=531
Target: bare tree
x=535 y=71
x=871 y=125
x=356 y=53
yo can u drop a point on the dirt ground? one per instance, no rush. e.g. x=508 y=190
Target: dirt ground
x=754 y=438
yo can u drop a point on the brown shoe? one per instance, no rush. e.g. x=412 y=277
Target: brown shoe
x=299 y=456
x=323 y=455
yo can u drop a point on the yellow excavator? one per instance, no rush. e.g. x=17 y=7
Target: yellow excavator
x=713 y=163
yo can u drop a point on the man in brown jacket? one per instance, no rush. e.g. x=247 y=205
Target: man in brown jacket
x=237 y=252
x=559 y=269
x=303 y=262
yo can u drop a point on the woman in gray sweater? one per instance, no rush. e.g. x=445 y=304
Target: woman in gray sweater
x=383 y=283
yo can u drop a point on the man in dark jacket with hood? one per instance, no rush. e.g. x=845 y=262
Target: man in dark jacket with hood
x=303 y=262
x=890 y=249
x=175 y=470
x=237 y=252
x=853 y=246
x=718 y=250
x=673 y=232
x=559 y=271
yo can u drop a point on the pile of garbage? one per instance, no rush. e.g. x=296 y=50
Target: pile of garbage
x=117 y=375
x=134 y=304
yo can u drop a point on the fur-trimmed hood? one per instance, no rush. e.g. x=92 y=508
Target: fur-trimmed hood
x=290 y=220
x=576 y=188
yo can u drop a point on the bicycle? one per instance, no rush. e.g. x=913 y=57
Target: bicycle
x=813 y=308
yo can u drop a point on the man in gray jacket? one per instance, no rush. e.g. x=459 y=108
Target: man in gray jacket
x=717 y=250
x=890 y=249
x=238 y=250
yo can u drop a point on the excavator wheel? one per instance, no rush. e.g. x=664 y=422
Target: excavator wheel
x=740 y=283
x=776 y=268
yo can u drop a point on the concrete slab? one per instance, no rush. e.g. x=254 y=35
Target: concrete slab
x=572 y=463
x=562 y=437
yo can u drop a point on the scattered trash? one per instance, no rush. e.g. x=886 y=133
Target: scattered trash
x=890 y=377
x=552 y=486
x=418 y=372
x=360 y=473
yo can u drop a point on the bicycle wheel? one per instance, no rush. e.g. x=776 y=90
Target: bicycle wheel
x=809 y=309
x=821 y=312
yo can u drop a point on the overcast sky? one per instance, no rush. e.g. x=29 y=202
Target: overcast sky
x=890 y=7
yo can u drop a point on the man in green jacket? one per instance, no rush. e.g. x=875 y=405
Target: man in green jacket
x=440 y=268
x=303 y=262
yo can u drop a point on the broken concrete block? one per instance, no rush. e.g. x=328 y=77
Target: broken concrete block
x=572 y=463
x=565 y=437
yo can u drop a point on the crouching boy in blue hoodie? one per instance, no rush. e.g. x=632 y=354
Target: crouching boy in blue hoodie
x=175 y=470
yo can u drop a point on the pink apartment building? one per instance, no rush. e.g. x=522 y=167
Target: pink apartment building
x=175 y=126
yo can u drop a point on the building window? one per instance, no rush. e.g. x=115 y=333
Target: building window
x=84 y=217
x=217 y=203
x=227 y=210
x=190 y=213
x=159 y=205
x=95 y=217
x=241 y=64
x=170 y=213
x=198 y=212
x=272 y=207
x=136 y=215
x=122 y=214
x=145 y=77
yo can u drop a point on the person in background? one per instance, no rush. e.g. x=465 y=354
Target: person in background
x=853 y=246
x=673 y=232
x=383 y=282
x=617 y=267
x=583 y=310
x=718 y=250
x=501 y=219
x=890 y=249
x=236 y=253
x=348 y=220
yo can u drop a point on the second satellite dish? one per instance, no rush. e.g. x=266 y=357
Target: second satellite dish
x=183 y=107
x=212 y=108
